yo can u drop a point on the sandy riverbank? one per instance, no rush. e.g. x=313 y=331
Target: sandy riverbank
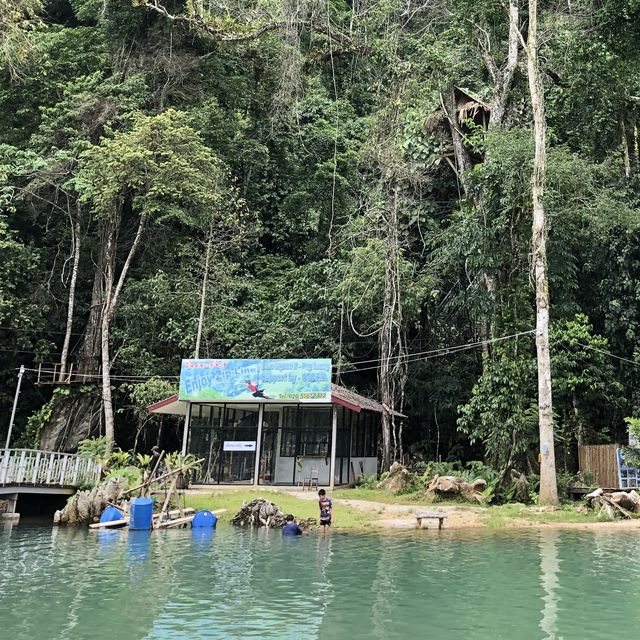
x=365 y=513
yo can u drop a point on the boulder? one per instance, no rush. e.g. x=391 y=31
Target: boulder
x=397 y=480
x=521 y=485
x=453 y=487
x=86 y=507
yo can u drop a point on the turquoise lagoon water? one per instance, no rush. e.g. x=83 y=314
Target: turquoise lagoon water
x=119 y=585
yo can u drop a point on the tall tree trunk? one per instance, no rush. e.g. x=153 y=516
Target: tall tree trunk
x=88 y=359
x=112 y=296
x=502 y=83
x=392 y=372
x=463 y=162
x=107 y=400
x=548 y=487
x=75 y=239
x=503 y=78
x=203 y=295
x=78 y=415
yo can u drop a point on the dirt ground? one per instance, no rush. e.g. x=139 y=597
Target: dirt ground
x=399 y=516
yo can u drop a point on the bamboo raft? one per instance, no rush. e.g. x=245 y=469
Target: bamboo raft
x=166 y=518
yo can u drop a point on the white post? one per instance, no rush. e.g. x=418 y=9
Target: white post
x=334 y=437
x=36 y=469
x=185 y=433
x=52 y=457
x=4 y=468
x=63 y=471
x=76 y=469
x=22 y=468
x=15 y=404
x=256 y=470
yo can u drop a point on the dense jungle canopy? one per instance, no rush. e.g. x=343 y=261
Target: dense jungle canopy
x=360 y=173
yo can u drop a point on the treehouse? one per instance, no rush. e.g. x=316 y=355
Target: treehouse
x=54 y=373
x=274 y=422
x=472 y=113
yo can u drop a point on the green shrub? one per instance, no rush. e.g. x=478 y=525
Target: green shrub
x=144 y=460
x=118 y=459
x=368 y=482
x=94 y=448
x=562 y=481
x=132 y=475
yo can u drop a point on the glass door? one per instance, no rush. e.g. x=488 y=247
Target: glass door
x=239 y=434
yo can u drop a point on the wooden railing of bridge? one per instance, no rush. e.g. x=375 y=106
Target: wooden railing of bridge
x=46 y=468
x=51 y=373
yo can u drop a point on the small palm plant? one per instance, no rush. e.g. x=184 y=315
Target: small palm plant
x=144 y=460
x=119 y=459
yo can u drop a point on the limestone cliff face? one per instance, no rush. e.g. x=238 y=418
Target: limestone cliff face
x=74 y=417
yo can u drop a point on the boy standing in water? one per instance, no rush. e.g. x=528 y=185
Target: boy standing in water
x=325 y=509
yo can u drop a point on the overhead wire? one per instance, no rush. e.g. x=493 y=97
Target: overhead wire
x=410 y=357
x=407 y=358
x=608 y=353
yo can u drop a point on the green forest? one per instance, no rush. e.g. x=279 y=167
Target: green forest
x=323 y=178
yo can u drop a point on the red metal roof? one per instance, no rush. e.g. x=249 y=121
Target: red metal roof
x=162 y=403
x=339 y=395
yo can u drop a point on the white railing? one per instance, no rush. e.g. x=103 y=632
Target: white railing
x=46 y=468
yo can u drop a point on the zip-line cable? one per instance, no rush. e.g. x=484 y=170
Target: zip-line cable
x=608 y=353
x=459 y=346
x=410 y=357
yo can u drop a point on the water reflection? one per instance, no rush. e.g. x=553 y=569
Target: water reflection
x=201 y=539
x=550 y=581
x=108 y=540
x=137 y=546
x=235 y=584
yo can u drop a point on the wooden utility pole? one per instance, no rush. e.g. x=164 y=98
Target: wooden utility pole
x=548 y=487
x=203 y=295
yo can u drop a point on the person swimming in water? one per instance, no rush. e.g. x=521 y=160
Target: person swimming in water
x=255 y=391
x=291 y=528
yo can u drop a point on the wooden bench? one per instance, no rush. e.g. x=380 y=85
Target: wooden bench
x=431 y=516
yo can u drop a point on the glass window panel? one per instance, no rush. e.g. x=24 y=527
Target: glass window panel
x=315 y=417
x=371 y=432
x=246 y=416
x=342 y=443
x=315 y=443
x=288 y=443
x=289 y=417
x=204 y=415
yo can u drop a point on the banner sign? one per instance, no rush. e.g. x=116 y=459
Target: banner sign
x=239 y=445
x=256 y=380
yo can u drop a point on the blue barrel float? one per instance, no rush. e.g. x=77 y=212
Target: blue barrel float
x=204 y=520
x=111 y=514
x=141 y=514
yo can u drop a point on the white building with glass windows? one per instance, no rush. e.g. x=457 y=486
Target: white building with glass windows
x=274 y=422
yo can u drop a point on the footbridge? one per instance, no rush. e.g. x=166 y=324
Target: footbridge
x=31 y=471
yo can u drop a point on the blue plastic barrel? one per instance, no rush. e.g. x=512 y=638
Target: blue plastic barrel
x=110 y=514
x=141 y=514
x=204 y=520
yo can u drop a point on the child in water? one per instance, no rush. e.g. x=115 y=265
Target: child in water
x=325 y=509
x=291 y=528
